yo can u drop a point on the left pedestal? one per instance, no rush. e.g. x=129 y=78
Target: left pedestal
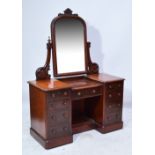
x=50 y=111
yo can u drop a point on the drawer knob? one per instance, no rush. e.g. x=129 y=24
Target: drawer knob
x=65 y=93
x=110 y=86
x=110 y=96
x=119 y=105
x=79 y=93
x=119 y=94
x=110 y=106
x=53 y=95
x=119 y=85
x=94 y=91
x=65 y=103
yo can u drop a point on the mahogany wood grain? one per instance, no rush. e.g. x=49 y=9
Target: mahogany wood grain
x=38 y=110
x=62 y=107
x=49 y=85
x=80 y=82
x=102 y=77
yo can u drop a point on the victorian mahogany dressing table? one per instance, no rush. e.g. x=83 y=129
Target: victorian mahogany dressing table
x=79 y=98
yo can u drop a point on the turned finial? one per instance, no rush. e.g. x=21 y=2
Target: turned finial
x=49 y=40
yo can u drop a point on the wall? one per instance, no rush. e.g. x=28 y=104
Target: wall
x=109 y=31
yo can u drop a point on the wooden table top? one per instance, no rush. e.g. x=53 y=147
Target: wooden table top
x=48 y=85
x=88 y=81
x=102 y=77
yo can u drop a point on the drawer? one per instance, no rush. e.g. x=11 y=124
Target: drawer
x=113 y=108
x=59 y=117
x=90 y=92
x=94 y=91
x=59 y=104
x=114 y=117
x=78 y=93
x=114 y=86
x=114 y=96
x=59 y=131
x=59 y=94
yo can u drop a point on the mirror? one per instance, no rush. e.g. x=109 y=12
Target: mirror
x=69 y=35
x=69 y=47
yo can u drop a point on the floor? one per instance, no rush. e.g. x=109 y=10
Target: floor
x=86 y=143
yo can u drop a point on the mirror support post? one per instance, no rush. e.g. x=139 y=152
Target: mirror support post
x=42 y=72
x=92 y=67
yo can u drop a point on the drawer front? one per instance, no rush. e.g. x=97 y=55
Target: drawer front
x=58 y=114
x=113 y=108
x=90 y=92
x=59 y=131
x=78 y=94
x=114 y=86
x=59 y=117
x=114 y=102
x=59 y=94
x=59 y=104
x=94 y=91
x=114 y=97
x=113 y=118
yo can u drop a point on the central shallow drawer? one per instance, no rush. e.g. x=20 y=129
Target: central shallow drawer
x=88 y=92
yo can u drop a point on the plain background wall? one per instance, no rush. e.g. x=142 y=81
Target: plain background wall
x=108 y=30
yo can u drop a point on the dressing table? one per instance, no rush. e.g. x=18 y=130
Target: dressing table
x=78 y=98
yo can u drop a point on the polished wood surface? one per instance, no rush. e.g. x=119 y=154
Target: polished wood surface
x=42 y=72
x=80 y=83
x=61 y=108
x=38 y=110
x=48 y=85
x=65 y=106
x=102 y=77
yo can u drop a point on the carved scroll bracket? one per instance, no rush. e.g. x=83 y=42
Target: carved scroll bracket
x=92 y=67
x=42 y=72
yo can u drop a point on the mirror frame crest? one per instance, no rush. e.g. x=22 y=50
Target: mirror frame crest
x=90 y=67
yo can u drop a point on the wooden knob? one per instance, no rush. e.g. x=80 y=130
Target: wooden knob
x=94 y=91
x=119 y=94
x=79 y=93
x=64 y=102
x=110 y=86
x=53 y=95
x=110 y=106
x=110 y=96
x=65 y=93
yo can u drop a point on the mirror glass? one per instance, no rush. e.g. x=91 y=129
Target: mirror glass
x=70 y=47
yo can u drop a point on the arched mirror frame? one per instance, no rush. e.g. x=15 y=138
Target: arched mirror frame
x=91 y=67
x=67 y=15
